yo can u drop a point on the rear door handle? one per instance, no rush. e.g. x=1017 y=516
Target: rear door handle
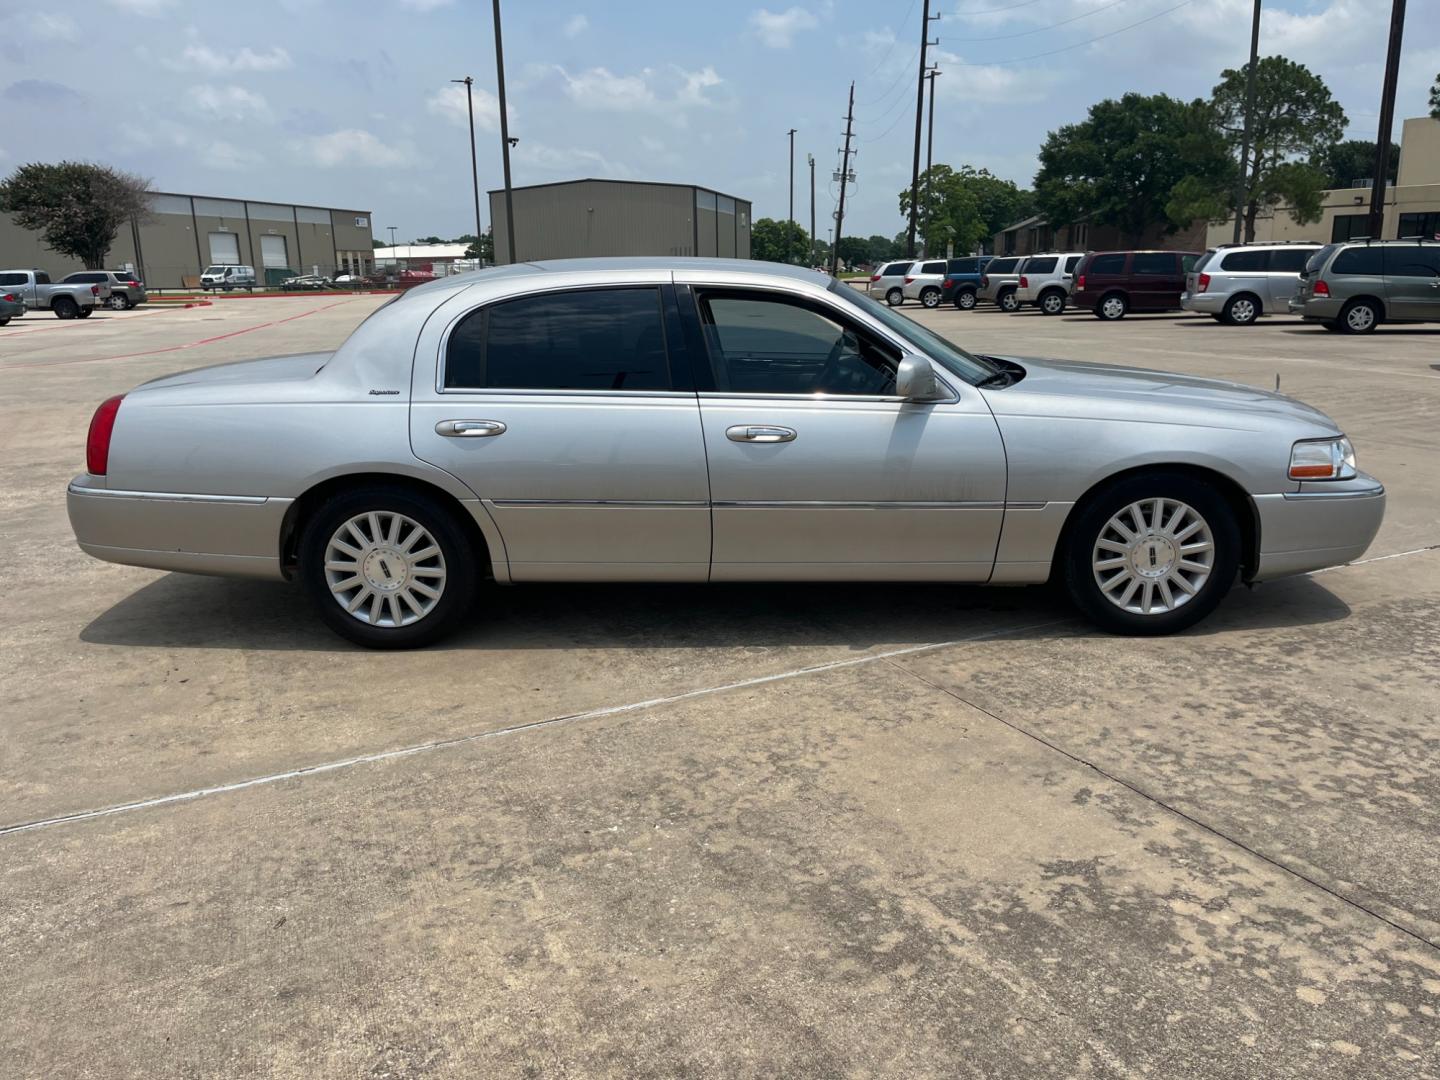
x=765 y=433
x=469 y=429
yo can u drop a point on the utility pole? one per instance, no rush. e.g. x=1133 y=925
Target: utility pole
x=790 y=233
x=933 y=74
x=925 y=44
x=504 y=142
x=474 y=170
x=1387 y=120
x=1242 y=183
x=811 y=159
x=844 y=177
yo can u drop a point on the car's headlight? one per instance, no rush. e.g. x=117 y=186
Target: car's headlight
x=1322 y=459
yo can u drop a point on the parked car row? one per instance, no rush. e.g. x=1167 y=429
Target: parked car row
x=1351 y=286
x=26 y=290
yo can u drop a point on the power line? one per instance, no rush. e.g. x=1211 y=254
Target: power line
x=1052 y=26
x=994 y=10
x=880 y=117
x=1078 y=44
x=904 y=74
x=895 y=41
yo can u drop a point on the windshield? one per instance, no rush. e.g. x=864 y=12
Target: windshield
x=970 y=368
x=214 y=271
x=1316 y=261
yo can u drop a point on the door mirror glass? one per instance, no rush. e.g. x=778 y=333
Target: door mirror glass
x=915 y=379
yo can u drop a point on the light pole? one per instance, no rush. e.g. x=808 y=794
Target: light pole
x=1387 y=118
x=930 y=163
x=392 y=236
x=811 y=159
x=1242 y=184
x=504 y=141
x=790 y=233
x=474 y=170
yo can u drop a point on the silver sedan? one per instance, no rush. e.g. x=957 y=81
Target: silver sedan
x=706 y=420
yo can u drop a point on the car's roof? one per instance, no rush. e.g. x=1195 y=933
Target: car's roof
x=640 y=263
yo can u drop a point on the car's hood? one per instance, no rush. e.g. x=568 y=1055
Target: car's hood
x=1059 y=387
x=269 y=370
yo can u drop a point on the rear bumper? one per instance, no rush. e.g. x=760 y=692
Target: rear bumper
x=1317 y=309
x=1318 y=526
x=227 y=535
x=1205 y=303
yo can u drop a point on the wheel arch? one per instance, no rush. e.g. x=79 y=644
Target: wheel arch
x=476 y=523
x=1378 y=301
x=1238 y=293
x=1247 y=517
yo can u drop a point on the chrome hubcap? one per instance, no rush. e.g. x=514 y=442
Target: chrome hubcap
x=385 y=569
x=931 y=299
x=1153 y=556
x=1242 y=311
x=1008 y=302
x=1360 y=318
x=967 y=300
x=1053 y=303
x=1113 y=307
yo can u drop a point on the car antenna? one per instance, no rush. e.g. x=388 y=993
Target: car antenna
x=1277 y=382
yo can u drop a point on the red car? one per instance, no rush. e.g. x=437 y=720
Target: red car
x=1112 y=283
x=407 y=278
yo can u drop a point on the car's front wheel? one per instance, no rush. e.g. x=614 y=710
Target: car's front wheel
x=387 y=568
x=1152 y=554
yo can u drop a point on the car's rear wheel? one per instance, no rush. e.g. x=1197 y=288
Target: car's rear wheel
x=930 y=297
x=1360 y=317
x=965 y=299
x=119 y=302
x=1007 y=300
x=65 y=307
x=1331 y=325
x=1152 y=554
x=895 y=297
x=1241 y=310
x=387 y=568
x=85 y=313
x=4 y=320
x=1052 y=302
x=1112 y=306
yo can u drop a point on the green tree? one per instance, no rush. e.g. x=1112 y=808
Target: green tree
x=1353 y=159
x=964 y=206
x=1122 y=166
x=1294 y=117
x=1435 y=98
x=429 y=240
x=75 y=206
x=779 y=241
x=484 y=249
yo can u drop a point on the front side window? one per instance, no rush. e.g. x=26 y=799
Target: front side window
x=1113 y=263
x=1290 y=260
x=1407 y=260
x=1041 y=266
x=1359 y=260
x=1153 y=262
x=1245 y=260
x=1002 y=266
x=42 y=278
x=925 y=341
x=767 y=343
x=587 y=340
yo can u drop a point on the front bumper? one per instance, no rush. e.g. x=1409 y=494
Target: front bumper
x=227 y=535
x=1206 y=303
x=1322 y=524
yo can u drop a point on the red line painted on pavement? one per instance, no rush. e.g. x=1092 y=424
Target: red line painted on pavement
x=176 y=348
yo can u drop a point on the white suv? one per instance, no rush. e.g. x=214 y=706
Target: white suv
x=923 y=281
x=1236 y=284
x=1046 y=280
x=888 y=282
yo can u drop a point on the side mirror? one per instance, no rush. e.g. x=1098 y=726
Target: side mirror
x=915 y=379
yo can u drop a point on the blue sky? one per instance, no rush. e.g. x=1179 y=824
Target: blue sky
x=347 y=103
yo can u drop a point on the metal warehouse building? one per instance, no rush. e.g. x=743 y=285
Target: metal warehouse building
x=186 y=233
x=579 y=218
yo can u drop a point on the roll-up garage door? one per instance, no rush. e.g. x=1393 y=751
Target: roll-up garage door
x=224 y=249
x=272 y=253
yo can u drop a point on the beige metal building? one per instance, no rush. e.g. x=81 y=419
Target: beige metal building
x=186 y=233
x=579 y=218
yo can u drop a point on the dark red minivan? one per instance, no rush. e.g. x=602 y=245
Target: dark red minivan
x=1113 y=283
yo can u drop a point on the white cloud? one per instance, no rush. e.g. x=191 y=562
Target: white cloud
x=223 y=155
x=777 y=29
x=228 y=102
x=353 y=146
x=45 y=26
x=575 y=26
x=692 y=92
x=668 y=93
x=449 y=102
x=568 y=160
x=201 y=57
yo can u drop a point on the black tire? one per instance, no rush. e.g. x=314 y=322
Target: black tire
x=85 y=313
x=965 y=300
x=1112 y=307
x=1007 y=301
x=1052 y=302
x=1242 y=309
x=1091 y=522
x=1331 y=325
x=930 y=297
x=65 y=307
x=1355 y=320
x=4 y=320
x=895 y=297
x=460 y=559
x=120 y=302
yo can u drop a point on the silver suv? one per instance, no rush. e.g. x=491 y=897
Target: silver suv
x=1354 y=287
x=998 y=282
x=1045 y=281
x=1236 y=284
x=924 y=280
x=888 y=282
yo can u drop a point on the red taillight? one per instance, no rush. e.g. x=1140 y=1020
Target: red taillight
x=874 y=277
x=97 y=443
x=94 y=290
x=1203 y=281
x=908 y=280
x=947 y=284
x=10 y=296
x=984 y=281
x=1024 y=282
x=1080 y=282
x=1321 y=289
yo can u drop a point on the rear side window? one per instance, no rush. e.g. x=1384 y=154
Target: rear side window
x=1359 y=260
x=596 y=339
x=896 y=269
x=1002 y=266
x=933 y=268
x=1153 y=262
x=1317 y=260
x=1417 y=261
x=1289 y=260
x=83 y=278
x=964 y=266
x=1113 y=263
x=1041 y=266
x=1244 y=260
x=1072 y=262
x=1205 y=259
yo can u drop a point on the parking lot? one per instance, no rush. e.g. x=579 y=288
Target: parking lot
x=664 y=831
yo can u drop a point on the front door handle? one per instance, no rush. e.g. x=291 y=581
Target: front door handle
x=759 y=433
x=469 y=429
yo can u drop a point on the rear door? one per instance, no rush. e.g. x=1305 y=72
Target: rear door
x=1156 y=280
x=1286 y=265
x=571 y=413
x=1412 y=280
x=1247 y=270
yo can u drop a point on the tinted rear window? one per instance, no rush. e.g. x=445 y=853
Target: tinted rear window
x=895 y=269
x=1153 y=262
x=964 y=266
x=14 y=279
x=1107 y=264
x=1317 y=260
x=1204 y=259
x=1360 y=260
x=1244 y=260
x=1002 y=266
x=933 y=268
x=1289 y=260
x=1041 y=266
x=1072 y=262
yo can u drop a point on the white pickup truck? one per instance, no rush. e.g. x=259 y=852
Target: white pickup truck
x=66 y=301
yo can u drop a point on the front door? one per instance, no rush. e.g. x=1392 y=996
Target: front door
x=1412 y=281
x=575 y=424
x=817 y=471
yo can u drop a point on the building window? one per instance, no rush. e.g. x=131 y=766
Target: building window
x=1349 y=227
x=1009 y=243
x=1425 y=226
x=362 y=222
